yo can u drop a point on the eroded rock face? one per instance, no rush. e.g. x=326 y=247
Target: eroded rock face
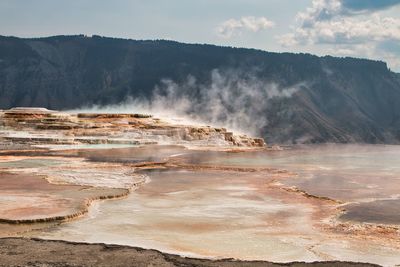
x=39 y=125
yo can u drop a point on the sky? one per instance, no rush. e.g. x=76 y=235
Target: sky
x=356 y=28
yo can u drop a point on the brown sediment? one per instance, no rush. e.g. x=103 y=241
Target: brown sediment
x=180 y=164
x=24 y=152
x=112 y=115
x=296 y=190
x=366 y=231
x=149 y=165
x=38 y=252
x=18 y=230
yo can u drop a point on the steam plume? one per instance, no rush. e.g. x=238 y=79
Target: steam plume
x=232 y=99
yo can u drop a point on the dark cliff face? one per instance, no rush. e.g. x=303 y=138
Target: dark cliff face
x=345 y=100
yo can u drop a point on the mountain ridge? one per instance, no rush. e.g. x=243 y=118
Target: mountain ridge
x=66 y=37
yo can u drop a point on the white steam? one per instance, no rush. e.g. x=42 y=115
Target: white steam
x=232 y=99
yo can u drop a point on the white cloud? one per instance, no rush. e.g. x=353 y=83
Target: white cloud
x=287 y=40
x=319 y=11
x=350 y=30
x=327 y=21
x=332 y=24
x=352 y=50
x=232 y=27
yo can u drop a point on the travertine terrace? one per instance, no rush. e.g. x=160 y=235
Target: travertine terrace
x=41 y=126
x=39 y=188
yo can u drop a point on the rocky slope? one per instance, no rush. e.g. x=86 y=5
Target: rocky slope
x=336 y=99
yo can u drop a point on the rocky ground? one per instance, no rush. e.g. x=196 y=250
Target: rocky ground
x=37 y=252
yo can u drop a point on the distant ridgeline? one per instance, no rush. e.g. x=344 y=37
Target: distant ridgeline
x=339 y=100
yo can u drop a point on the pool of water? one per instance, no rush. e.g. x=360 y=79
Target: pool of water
x=365 y=176
x=198 y=213
x=149 y=153
x=30 y=163
x=214 y=213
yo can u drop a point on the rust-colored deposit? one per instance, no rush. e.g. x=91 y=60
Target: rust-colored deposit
x=31 y=199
